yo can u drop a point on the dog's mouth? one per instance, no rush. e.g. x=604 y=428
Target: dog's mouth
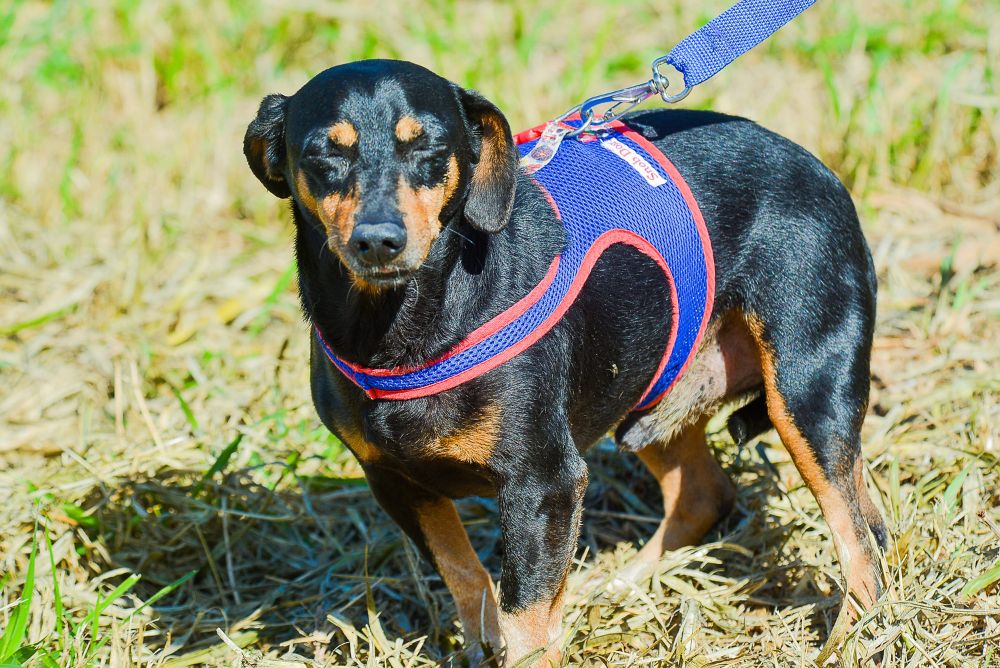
x=383 y=277
x=375 y=277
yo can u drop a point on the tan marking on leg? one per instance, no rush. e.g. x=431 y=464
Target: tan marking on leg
x=474 y=442
x=855 y=560
x=469 y=583
x=696 y=494
x=408 y=128
x=343 y=133
x=537 y=626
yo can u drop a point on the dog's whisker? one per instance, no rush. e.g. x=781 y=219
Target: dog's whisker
x=458 y=234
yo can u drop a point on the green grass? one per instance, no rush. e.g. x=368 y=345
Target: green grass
x=169 y=480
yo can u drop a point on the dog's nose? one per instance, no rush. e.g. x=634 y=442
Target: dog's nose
x=377 y=243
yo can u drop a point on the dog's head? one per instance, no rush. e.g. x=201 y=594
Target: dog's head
x=382 y=154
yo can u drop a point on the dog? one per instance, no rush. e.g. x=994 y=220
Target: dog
x=415 y=225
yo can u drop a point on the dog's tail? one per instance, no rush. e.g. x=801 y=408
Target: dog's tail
x=750 y=421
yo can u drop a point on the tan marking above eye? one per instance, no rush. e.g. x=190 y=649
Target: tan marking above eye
x=343 y=133
x=408 y=128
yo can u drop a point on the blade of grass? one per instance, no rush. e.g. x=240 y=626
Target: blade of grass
x=981 y=582
x=185 y=408
x=13 y=637
x=103 y=603
x=60 y=623
x=36 y=321
x=950 y=497
x=163 y=592
x=218 y=465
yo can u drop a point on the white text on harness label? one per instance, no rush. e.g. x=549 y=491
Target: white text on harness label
x=635 y=161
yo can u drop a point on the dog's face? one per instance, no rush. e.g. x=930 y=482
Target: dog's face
x=382 y=154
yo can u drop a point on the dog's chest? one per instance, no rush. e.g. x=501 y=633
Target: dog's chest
x=444 y=449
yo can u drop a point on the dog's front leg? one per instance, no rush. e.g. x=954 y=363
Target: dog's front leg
x=540 y=500
x=432 y=522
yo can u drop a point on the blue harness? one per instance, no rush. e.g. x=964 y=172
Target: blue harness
x=613 y=187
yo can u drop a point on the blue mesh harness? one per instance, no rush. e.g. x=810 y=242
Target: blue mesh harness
x=614 y=187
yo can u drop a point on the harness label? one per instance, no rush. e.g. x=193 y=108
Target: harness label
x=635 y=161
x=545 y=149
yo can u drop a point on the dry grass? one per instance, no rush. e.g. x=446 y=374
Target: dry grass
x=148 y=322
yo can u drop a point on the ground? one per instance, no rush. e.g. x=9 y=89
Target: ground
x=158 y=450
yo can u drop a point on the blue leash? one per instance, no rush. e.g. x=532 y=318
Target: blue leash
x=698 y=57
x=703 y=53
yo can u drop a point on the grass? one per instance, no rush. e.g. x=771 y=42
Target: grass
x=170 y=497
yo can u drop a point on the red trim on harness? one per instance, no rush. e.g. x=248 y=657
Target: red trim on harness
x=589 y=260
x=531 y=134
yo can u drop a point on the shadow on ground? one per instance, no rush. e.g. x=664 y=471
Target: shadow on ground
x=274 y=564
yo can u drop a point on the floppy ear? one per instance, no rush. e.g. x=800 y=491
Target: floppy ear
x=494 y=177
x=264 y=144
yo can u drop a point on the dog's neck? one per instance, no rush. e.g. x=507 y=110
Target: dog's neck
x=467 y=278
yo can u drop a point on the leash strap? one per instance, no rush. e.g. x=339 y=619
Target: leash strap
x=703 y=53
x=698 y=57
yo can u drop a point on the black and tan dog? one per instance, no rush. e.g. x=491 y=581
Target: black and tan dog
x=415 y=226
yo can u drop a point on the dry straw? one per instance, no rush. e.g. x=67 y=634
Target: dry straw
x=154 y=412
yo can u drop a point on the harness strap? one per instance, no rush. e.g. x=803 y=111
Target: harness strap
x=706 y=51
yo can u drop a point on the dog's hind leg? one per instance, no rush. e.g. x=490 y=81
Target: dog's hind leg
x=816 y=388
x=697 y=493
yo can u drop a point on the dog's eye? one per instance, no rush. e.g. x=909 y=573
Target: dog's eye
x=413 y=147
x=423 y=152
x=327 y=166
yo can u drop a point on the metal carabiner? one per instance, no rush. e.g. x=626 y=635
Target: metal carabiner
x=622 y=101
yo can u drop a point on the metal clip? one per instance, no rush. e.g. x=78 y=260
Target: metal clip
x=622 y=101
x=661 y=83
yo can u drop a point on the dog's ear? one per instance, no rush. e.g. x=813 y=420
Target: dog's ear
x=264 y=144
x=494 y=176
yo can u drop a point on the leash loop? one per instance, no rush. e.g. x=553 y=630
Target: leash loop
x=661 y=82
